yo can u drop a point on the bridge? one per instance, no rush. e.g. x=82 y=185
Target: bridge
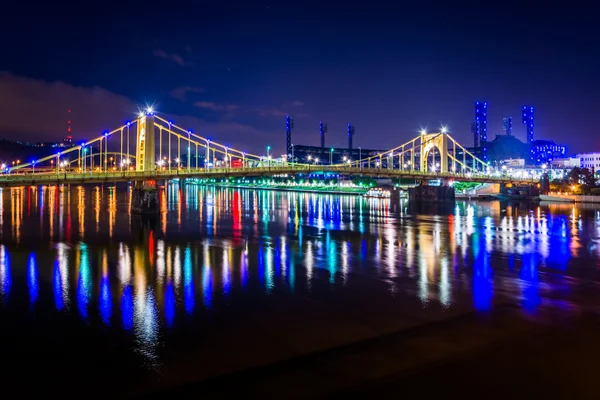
x=162 y=150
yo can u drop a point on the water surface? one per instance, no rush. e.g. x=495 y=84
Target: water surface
x=226 y=278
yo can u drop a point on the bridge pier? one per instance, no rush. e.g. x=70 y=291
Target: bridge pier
x=144 y=198
x=423 y=193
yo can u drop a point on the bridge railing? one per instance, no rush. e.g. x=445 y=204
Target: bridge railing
x=99 y=176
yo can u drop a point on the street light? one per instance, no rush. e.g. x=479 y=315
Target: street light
x=360 y=156
x=331 y=156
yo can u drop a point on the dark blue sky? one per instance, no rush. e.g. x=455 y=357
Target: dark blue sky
x=232 y=71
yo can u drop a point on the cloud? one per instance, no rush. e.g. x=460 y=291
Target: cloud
x=270 y=112
x=36 y=110
x=181 y=92
x=297 y=103
x=216 y=107
x=176 y=58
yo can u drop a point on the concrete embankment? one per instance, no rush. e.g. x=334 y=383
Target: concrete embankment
x=569 y=198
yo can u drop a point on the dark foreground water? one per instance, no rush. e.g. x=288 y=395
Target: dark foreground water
x=95 y=301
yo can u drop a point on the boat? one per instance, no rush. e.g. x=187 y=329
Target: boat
x=377 y=193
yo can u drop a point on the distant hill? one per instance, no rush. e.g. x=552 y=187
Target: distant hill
x=12 y=151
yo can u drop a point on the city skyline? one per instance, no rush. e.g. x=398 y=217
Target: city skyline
x=237 y=74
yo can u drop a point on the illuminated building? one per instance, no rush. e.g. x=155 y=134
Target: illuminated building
x=589 y=160
x=480 y=129
x=544 y=151
x=528 y=120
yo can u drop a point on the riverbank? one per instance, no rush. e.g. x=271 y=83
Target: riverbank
x=570 y=198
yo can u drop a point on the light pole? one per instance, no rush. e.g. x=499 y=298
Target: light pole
x=106 y=152
x=33 y=166
x=269 y=156
x=360 y=156
x=226 y=156
x=189 y=148
x=331 y=156
x=292 y=152
x=207 y=157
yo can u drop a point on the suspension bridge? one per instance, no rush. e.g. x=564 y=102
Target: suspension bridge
x=151 y=148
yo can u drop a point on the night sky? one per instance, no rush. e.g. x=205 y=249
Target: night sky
x=232 y=71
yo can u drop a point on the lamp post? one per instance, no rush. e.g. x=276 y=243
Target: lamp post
x=360 y=156
x=331 y=156
x=33 y=166
x=269 y=156
x=106 y=152
x=189 y=149
x=207 y=155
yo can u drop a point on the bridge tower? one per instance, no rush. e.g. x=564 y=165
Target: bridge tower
x=144 y=199
x=145 y=152
x=429 y=141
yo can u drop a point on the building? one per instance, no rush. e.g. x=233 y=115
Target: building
x=528 y=120
x=589 y=160
x=337 y=155
x=544 y=151
x=565 y=163
x=480 y=129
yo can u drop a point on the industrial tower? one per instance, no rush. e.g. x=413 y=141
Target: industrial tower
x=480 y=128
x=507 y=125
x=289 y=125
x=528 y=121
x=322 y=131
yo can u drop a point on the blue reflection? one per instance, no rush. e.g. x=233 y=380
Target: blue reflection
x=244 y=268
x=188 y=284
x=268 y=269
x=127 y=307
x=531 y=285
x=292 y=272
x=84 y=282
x=331 y=260
x=32 y=281
x=105 y=300
x=207 y=286
x=5 y=276
x=277 y=260
x=261 y=265
x=58 y=289
x=482 y=280
x=169 y=303
x=363 y=250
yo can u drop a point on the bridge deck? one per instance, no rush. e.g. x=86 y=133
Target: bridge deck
x=8 y=180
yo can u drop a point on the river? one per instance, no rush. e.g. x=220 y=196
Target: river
x=225 y=279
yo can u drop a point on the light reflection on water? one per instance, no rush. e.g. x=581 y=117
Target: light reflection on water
x=215 y=244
